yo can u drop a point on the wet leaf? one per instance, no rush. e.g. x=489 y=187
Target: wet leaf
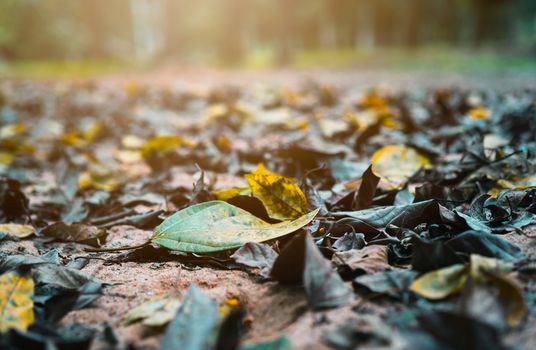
x=215 y=226
x=16 y=304
x=283 y=199
x=396 y=164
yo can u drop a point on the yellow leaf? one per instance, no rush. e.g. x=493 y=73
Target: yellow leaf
x=100 y=179
x=21 y=231
x=132 y=142
x=480 y=264
x=74 y=138
x=225 y=195
x=16 y=304
x=283 y=199
x=6 y=158
x=397 y=163
x=331 y=127
x=153 y=313
x=373 y=101
x=439 y=284
x=479 y=113
x=82 y=138
x=132 y=88
x=511 y=297
x=164 y=144
x=12 y=130
x=128 y=156
x=515 y=183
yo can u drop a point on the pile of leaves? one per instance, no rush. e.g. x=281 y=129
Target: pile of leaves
x=408 y=199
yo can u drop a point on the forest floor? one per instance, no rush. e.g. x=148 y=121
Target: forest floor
x=179 y=100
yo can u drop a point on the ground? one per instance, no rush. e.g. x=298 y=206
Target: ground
x=272 y=309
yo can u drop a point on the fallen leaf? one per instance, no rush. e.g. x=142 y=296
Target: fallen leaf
x=194 y=324
x=79 y=233
x=510 y=297
x=216 y=226
x=156 y=312
x=392 y=283
x=283 y=199
x=257 y=255
x=369 y=259
x=397 y=163
x=300 y=261
x=440 y=283
x=225 y=195
x=479 y=113
x=163 y=145
x=323 y=286
x=11 y=130
x=449 y=330
x=20 y=231
x=16 y=304
x=281 y=343
x=100 y=179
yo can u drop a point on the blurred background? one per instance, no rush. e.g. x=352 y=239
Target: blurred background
x=99 y=35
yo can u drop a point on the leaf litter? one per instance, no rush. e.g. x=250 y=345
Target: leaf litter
x=247 y=218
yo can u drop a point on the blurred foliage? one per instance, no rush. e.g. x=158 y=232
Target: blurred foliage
x=257 y=32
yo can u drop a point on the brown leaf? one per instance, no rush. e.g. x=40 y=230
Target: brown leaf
x=370 y=259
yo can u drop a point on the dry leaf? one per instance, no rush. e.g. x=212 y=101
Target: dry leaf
x=280 y=195
x=16 y=304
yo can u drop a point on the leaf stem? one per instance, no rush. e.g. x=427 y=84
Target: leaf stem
x=117 y=249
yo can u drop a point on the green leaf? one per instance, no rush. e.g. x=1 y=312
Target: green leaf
x=216 y=225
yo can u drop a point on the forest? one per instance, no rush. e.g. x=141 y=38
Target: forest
x=228 y=30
